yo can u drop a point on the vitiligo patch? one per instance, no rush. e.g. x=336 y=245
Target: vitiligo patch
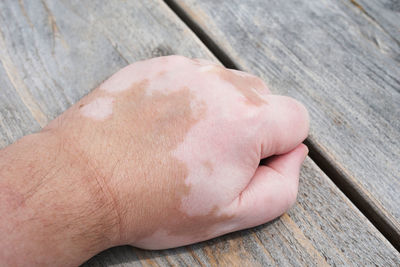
x=99 y=109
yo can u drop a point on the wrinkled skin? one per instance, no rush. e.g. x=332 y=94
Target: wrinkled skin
x=175 y=146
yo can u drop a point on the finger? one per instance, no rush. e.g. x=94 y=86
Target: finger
x=284 y=126
x=271 y=191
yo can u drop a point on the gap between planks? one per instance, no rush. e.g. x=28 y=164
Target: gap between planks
x=333 y=172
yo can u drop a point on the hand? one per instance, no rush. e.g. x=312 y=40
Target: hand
x=164 y=153
x=176 y=144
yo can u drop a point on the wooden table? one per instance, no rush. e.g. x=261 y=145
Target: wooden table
x=339 y=57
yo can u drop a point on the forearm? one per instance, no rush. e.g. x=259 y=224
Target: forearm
x=52 y=210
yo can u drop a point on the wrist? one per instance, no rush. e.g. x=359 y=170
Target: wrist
x=53 y=208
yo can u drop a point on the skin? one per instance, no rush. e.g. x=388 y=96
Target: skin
x=164 y=153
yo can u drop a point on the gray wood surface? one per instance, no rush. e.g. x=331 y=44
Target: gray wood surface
x=385 y=13
x=342 y=59
x=54 y=52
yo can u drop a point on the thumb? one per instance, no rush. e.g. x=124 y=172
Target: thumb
x=272 y=190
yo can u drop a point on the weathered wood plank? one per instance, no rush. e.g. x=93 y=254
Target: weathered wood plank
x=15 y=119
x=386 y=13
x=55 y=51
x=378 y=23
x=341 y=64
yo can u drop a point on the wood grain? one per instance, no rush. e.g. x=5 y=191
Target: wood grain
x=54 y=52
x=385 y=13
x=343 y=63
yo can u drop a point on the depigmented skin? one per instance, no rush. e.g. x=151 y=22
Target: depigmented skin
x=99 y=109
x=178 y=147
x=249 y=86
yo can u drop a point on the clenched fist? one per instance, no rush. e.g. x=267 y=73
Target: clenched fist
x=167 y=153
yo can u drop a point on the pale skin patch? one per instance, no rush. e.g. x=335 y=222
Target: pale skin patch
x=227 y=100
x=134 y=73
x=98 y=109
x=250 y=87
x=201 y=61
x=207 y=68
